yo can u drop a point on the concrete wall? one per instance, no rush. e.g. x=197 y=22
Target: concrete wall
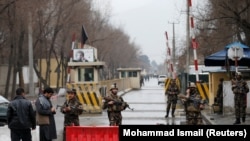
x=228 y=100
x=53 y=72
x=3 y=78
x=214 y=78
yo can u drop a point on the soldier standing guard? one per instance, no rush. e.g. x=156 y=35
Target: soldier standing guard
x=240 y=90
x=114 y=105
x=194 y=105
x=71 y=109
x=171 y=92
x=219 y=96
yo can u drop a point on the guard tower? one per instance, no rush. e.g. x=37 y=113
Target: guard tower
x=84 y=75
x=133 y=73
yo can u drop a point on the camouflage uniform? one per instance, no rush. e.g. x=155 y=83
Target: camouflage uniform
x=71 y=118
x=171 y=92
x=114 y=110
x=193 y=103
x=240 y=90
x=219 y=95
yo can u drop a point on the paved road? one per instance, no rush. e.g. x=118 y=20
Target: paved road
x=149 y=108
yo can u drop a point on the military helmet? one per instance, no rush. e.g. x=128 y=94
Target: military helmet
x=192 y=85
x=173 y=80
x=221 y=79
x=113 y=87
x=238 y=73
x=71 y=91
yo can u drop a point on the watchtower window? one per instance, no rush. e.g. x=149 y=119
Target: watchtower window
x=85 y=74
x=123 y=74
x=132 y=74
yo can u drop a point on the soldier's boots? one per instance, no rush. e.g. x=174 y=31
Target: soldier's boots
x=243 y=119
x=173 y=112
x=167 y=111
x=166 y=116
x=237 y=121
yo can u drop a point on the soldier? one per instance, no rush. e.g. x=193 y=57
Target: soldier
x=194 y=105
x=171 y=92
x=114 y=105
x=71 y=109
x=240 y=90
x=219 y=96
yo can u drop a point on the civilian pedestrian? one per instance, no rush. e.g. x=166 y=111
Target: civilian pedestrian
x=45 y=115
x=21 y=117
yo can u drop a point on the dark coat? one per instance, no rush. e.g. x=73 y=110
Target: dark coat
x=20 y=114
x=50 y=129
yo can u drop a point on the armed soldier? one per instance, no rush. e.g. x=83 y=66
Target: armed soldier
x=194 y=105
x=171 y=92
x=71 y=109
x=219 y=96
x=114 y=105
x=240 y=90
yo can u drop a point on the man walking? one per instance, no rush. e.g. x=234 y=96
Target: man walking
x=21 y=117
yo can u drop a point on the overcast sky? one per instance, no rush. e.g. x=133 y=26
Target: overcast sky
x=146 y=21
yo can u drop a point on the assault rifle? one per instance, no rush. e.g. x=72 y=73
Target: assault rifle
x=119 y=103
x=72 y=107
x=191 y=98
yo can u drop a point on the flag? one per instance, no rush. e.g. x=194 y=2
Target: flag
x=84 y=36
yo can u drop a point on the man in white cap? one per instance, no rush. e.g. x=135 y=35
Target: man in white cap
x=194 y=105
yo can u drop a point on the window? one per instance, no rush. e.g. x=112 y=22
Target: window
x=123 y=74
x=85 y=74
x=132 y=74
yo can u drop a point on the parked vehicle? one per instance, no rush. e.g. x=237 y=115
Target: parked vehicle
x=3 y=110
x=162 y=79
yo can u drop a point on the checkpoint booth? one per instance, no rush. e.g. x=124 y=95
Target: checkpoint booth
x=134 y=74
x=84 y=76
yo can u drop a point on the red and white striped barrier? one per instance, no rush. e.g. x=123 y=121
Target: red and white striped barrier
x=193 y=40
x=169 y=60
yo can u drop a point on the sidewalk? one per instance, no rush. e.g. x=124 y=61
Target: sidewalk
x=228 y=118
